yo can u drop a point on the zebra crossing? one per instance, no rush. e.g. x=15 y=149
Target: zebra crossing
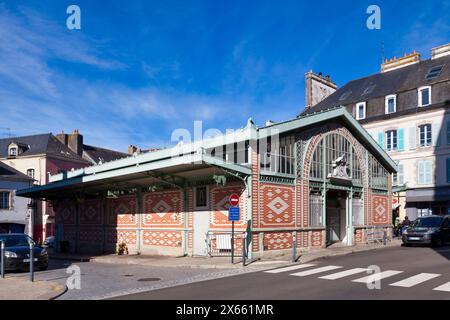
x=339 y=272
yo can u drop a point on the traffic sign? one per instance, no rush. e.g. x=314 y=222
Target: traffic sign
x=234 y=214
x=234 y=200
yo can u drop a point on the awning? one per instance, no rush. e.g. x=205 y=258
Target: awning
x=175 y=170
x=428 y=195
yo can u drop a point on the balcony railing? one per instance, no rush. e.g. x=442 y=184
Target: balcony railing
x=275 y=163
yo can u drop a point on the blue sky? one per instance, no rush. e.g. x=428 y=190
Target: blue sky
x=139 y=69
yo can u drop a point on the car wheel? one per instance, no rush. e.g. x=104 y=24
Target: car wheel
x=43 y=268
x=438 y=242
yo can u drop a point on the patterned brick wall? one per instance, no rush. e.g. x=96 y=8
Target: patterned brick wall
x=91 y=212
x=219 y=199
x=90 y=234
x=359 y=235
x=162 y=238
x=67 y=212
x=380 y=209
x=163 y=209
x=317 y=238
x=69 y=234
x=122 y=211
x=117 y=236
x=277 y=241
x=276 y=205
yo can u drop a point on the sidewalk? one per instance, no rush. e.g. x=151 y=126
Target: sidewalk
x=224 y=262
x=20 y=288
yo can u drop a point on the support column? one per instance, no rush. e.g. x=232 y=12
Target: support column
x=140 y=210
x=349 y=226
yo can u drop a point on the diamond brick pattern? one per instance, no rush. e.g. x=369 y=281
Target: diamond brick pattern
x=277 y=240
x=380 y=209
x=163 y=209
x=121 y=236
x=122 y=211
x=277 y=205
x=91 y=212
x=162 y=238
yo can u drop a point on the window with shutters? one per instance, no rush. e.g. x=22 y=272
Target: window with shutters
x=425 y=172
x=425 y=135
x=398 y=179
x=391 y=140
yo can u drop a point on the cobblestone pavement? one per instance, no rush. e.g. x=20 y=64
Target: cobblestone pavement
x=106 y=280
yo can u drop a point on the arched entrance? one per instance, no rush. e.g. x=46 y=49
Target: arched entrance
x=336 y=188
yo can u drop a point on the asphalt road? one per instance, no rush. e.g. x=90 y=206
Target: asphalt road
x=416 y=273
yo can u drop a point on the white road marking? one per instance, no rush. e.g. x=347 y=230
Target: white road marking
x=444 y=287
x=342 y=274
x=300 y=266
x=377 y=276
x=415 y=280
x=314 y=271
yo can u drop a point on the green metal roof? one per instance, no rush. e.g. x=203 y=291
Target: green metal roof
x=194 y=153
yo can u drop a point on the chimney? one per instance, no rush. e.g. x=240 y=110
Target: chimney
x=64 y=138
x=132 y=149
x=397 y=63
x=75 y=142
x=318 y=88
x=440 y=51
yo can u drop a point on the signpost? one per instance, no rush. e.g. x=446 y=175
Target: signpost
x=234 y=214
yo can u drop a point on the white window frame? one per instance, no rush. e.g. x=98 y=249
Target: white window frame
x=195 y=198
x=426 y=145
x=391 y=131
x=10 y=207
x=357 y=110
x=34 y=172
x=386 y=103
x=419 y=94
x=13 y=148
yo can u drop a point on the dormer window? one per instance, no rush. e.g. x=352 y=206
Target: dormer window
x=424 y=96
x=12 y=152
x=360 y=111
x=391 y=104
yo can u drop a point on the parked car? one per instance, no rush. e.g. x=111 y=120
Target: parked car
x=50 y=242
x=17 y=253
x=430 y=230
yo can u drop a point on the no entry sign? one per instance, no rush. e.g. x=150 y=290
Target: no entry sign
x=234 y=200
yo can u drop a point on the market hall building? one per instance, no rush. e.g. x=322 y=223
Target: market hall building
x=314 y=180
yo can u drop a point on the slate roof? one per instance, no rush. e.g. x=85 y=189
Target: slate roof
x=382 y=84
x=98 y=154
x=10 y=173
x=39 y=144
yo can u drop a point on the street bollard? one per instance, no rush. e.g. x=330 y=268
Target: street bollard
x=384 y=238
x=31 y=261
x=294 y=246
x=2 y=262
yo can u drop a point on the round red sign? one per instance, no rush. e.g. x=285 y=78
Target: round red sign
x=234 y=200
